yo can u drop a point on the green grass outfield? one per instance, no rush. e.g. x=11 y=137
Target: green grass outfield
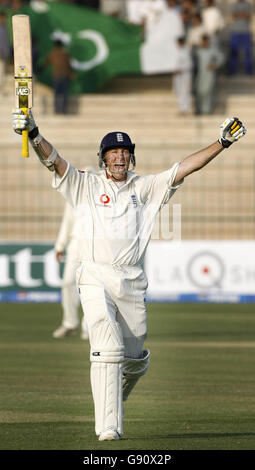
x=199 y=392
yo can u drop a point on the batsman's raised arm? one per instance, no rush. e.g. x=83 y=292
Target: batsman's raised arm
x=46 y=153
x=231 y=130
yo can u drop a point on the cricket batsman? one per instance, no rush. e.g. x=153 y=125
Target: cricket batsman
x=117 y=209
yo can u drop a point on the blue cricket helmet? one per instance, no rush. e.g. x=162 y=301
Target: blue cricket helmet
x=115 y=140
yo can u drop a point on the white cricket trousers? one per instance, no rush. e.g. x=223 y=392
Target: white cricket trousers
x=115 y=314
x=118 y=295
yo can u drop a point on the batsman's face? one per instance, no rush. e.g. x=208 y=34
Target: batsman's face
x=118 y=161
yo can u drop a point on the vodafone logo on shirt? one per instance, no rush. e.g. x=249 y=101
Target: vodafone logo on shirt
x=104 y=199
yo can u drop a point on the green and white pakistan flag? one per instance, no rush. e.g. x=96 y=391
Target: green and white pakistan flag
x=100 y=46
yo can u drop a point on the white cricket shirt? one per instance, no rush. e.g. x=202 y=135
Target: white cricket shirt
x=115 y=223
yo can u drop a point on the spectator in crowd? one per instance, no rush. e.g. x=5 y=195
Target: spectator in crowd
x=4 y=49
x=186 y=20
x=182 y=79
x=172 y=14
x=159 y=51
x=168 y=27
x=213 y=20
x=173 y=4
x=115 y=8
x=59 y=60
x=194 y=39
x=133 y=9
x=209 y=59
x=176 y=4
x=192 y=6
x=151 y=11
x=196 y=31
x=188 y=8
x=241 y=36
x=67 y=239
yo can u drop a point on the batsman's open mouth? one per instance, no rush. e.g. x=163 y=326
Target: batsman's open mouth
x=119 y=166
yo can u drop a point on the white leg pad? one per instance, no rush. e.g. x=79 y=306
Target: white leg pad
x=107 y=356
x=133 y=369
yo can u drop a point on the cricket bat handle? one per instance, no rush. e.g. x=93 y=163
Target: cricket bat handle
x=25 y=150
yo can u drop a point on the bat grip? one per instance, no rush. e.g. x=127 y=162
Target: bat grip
x=25 y=150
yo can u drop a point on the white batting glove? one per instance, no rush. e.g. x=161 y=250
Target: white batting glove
x=231 y=130
x=20 y=121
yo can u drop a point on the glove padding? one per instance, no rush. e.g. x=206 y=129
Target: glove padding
x=20 y=121
x=231 y=130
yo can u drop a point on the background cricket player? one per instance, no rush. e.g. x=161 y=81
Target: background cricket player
x=67 y=241
x=119 y=208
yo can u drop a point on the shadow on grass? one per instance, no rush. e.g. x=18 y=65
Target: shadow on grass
x=80 y=435
x=195 y=436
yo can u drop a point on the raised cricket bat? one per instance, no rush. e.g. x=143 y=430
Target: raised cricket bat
x=22 y=49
